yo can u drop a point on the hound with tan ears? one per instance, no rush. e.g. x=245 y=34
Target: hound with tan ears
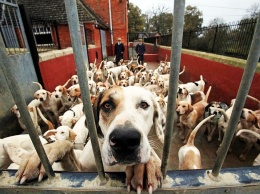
x=49 y=104
x=61 y=93
x=98 y=74
x=248 y=120
x=71 y=116
x=125 y=118
x=74 y=80
x=16 y=148
x=212 y=124
x=115 y=71
x=33 y=109
x=255 y=134
x=189 y=155
x=190 y=115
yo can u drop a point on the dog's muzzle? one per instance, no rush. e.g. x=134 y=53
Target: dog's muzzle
x=125 y=145
x=180 y=91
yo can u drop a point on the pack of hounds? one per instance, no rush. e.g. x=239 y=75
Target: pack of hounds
x=129 y=105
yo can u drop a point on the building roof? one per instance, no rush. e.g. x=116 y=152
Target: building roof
x=54 y=10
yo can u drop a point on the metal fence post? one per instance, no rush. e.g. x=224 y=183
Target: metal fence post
x=214 y=40
x=74 y=28
x=244 y=87
x=177 y=33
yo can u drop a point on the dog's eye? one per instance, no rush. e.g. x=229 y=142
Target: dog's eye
x=107 y=106
x=144 y=105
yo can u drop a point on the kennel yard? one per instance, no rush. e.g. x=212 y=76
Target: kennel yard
x=221 y=173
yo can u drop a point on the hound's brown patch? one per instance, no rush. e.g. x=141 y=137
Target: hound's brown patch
x=113 y=98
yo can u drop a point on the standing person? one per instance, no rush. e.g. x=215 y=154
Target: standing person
x=119 y=50
x=140 y=50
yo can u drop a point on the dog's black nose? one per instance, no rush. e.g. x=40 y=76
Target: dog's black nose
x=124 y=141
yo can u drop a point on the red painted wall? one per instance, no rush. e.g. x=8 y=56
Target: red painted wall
x=224 y=79
x=95 y=53
x=57 y=71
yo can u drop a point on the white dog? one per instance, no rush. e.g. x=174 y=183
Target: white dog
x=71 y=116
x=124 y=118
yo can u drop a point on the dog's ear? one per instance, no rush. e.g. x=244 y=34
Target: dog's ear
x=49 y=94
x=49 y=133
x=72 y=135
x=256 y=122
x=60 y=118
x=73 y=120
x=64 y=90
x=96 y=110
x=190 y=109
x=159 y=121
x=35 y=95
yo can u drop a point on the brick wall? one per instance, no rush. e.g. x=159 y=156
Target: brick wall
x=64 y=36
x=119 y=20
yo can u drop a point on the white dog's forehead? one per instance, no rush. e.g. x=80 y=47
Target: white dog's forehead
x=62 y=133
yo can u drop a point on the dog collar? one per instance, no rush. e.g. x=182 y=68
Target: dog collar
x=74 y=114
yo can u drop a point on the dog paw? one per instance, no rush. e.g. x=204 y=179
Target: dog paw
x=31 y=168
x=144 y=176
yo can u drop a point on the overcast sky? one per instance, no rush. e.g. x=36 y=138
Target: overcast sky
x=229 y=10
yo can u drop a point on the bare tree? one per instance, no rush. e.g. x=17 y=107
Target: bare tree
x=216 y=21
x=254 y=10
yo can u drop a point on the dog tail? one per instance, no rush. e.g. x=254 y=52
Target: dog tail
x=50 y=125
x=40 y=86
x=207 y=94
x=66 y=83
x=194 y=132
x=248 y=131
x=165 y=58
x=33 y=114
x=254 y=99
x=182 y=70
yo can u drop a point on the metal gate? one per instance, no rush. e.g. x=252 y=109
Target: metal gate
x=14 y=43
x=196 y=181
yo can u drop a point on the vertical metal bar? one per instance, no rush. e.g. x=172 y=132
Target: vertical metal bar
x=244 y=87
x=27 y=26
x=14 y=38
x=21 y=30
x=214 y=40
x=73 y=21
x=189 y=39
x=177 y=33
x=7 y=67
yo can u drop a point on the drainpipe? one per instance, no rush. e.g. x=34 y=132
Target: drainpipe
x=111 y=25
